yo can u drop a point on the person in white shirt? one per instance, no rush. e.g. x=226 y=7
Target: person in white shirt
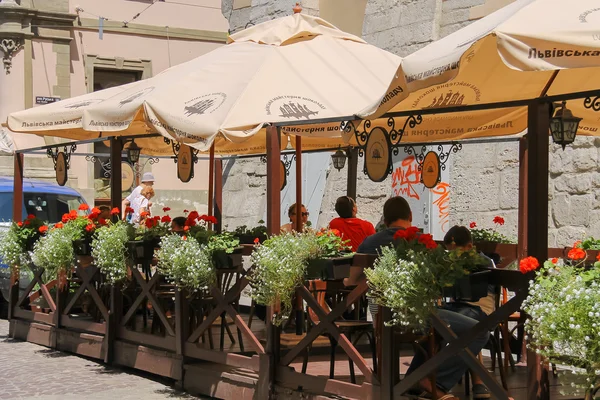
x=141 y=204
x=147 y=181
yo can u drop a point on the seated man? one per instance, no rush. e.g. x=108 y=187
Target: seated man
x=178 y=225
x=352 y=229
x=397 y=215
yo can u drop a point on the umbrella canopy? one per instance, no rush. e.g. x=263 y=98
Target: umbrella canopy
x=523 y=51
x=296 y=68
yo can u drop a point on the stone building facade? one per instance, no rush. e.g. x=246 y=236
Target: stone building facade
x=483 y=177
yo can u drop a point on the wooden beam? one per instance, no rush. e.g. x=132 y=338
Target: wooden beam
x=352 y=172
x=211 y=180
x=18 y=187
x=523 y=179
x=116 y=191
x=218 y=208
x=299 y=225
x=273 y=180
x=537 y=222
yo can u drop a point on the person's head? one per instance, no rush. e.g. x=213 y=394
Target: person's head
x=396 y=212
x=148 y=192
x=292 y=214
x=458 y=237
x=345 y=206
x=177 y=224
x=148 y=179
x=104 y=212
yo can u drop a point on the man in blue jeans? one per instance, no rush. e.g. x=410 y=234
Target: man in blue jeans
x=397 y=215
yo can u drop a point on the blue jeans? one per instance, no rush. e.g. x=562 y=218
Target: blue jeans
x=450 y=371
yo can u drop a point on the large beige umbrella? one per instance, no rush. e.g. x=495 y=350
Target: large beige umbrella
x=296 y=68
x=523 y=51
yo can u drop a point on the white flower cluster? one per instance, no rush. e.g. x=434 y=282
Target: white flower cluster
x=109 y=249
x=11 y=248
x=404 y=286
x=280 y=266
x=53 y=252
x=186 y=263
x=564 y=306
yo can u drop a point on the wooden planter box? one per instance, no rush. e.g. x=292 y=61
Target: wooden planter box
x=471 y=288
x=83 y=247
x=223 y=260
x=249 y=239
x=329 y=268
x=143 y=250
x=507 y=251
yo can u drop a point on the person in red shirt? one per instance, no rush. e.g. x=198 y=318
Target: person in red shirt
x=353 y=229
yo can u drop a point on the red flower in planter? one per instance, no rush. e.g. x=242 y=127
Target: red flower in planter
x=256 y=240
x=58 y=225
x=576 y=253
x=499 y=220
x=31 y=216
x=473 y=225
x=186 y=211
x=115 y=211
x=144 y=214
x=166 y=209
x=27 y=222
x=598 y=257
x=150 y=223
x=128 y=210
x=19 y=224
x=43 y=229
x=90 y=227
x=528 y=264
x=165 y=219
x=186 y=228
x=194 y=215
x=211 y=219
x=102 y=221
x=83 y=207
x=554 y=261
x=93 y=216
x=96 y=210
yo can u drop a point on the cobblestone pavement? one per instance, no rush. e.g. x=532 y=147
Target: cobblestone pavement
x=30 y=371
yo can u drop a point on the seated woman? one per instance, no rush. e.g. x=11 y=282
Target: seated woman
x=140 y=204
x=291 y=226
x=352 y=229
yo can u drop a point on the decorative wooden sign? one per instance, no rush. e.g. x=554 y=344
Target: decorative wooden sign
x=185 y=163
x=61 y=168
x=377 y=155
x=431 y=171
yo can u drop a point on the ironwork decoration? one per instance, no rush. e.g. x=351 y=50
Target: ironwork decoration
x=62 y=161
x=177 y=148
x=592 y=103
x=393 y=137
x=139 y=167
x=282 y=175
x=426 y=161
x=286 y=164
x=9 y=47
x=105 y=165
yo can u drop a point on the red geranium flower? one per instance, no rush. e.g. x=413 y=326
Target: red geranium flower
x=27 y=222
x=425 y=238
x=102 y=221
x=19 y=224
x=43 y=229
x=84 y=207
x=128 y=210
x=31 y=216
x=65 y=218
x=576 y=253
x=144 y=214
x=411 y=233
x=115 y=211
x=156 y=218
x=193 y=215
x=58 y=225
x=400 y=234
x=598 y=257
x=90 y=227
x=473 y=225
x=528 y=264
x=499 y=220
x=256 y=240
x=150 y=223
x=93 y=215
x=577 y=243
x=186 y=228
x=166 y=209
x=431 y=245
x=165 y=219
x=96 y=210
x=185 y=211
x=212 y=220
x=554 y=261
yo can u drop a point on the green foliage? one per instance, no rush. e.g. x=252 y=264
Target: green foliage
x=589 y=244
x=200 y=233
x=564 y=306
x=12 y=247
x=259 y=231
x=330 y=244
x=109 y=249
x=490 y=235
x=53 y=252
x=186 y=263
x=153 y=228
x=222 y=242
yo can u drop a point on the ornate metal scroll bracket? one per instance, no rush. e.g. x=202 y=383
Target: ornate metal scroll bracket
x=9 y=47
x=592 y=103
x=105 y=165
x=443 y=156
x=287 y=160
x=68 y=150
x=176 y=148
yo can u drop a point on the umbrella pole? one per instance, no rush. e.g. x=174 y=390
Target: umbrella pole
x=116 y=147
x=352 y=172
x=211 y=179
x=299 y=228
x=18 y=187
x=218 y=208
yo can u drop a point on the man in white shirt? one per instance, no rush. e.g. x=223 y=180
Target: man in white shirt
x=147 y=180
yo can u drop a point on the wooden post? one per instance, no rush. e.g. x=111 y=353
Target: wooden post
x=352 y=172
x=299 y=225
x=114 y=319
x=523 y=175
x=17 y=216
x=537 y=223
x=116 y=195
x=62 y=290
x=218 y=208
x=181 y=328
x=273 y=180
x=211 y=180
x=386 y=362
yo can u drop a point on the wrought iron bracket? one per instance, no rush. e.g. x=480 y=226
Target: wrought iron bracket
x=105 y=165
x=176 y=146
x=443 y=156
x=287 y=159
x=592 y=103
x=68 y=150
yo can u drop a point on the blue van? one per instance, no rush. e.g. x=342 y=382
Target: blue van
x=47 y=201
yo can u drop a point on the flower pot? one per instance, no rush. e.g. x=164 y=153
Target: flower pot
x=223 y=260
x=83 y=247
x=470 y=288
x=143 y=250
x=329 y=268
x=249 y=239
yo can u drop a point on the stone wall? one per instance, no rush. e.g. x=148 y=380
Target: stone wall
x=484 y=177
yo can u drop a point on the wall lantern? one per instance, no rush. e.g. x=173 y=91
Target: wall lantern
x=563 y=126
x=339 y=159
x=133 y=152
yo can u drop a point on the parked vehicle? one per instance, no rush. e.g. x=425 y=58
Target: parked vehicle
x=47 y=201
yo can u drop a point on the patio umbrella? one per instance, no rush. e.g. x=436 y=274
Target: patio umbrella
x=523 y=51
x=296 y=68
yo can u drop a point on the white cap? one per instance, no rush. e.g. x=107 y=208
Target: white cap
x=148 y=177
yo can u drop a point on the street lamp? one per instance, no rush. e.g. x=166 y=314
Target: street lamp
x=339 y=159
x=133 y=152
x=563 y=126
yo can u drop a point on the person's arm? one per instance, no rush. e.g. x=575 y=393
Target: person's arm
x=124 y=206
